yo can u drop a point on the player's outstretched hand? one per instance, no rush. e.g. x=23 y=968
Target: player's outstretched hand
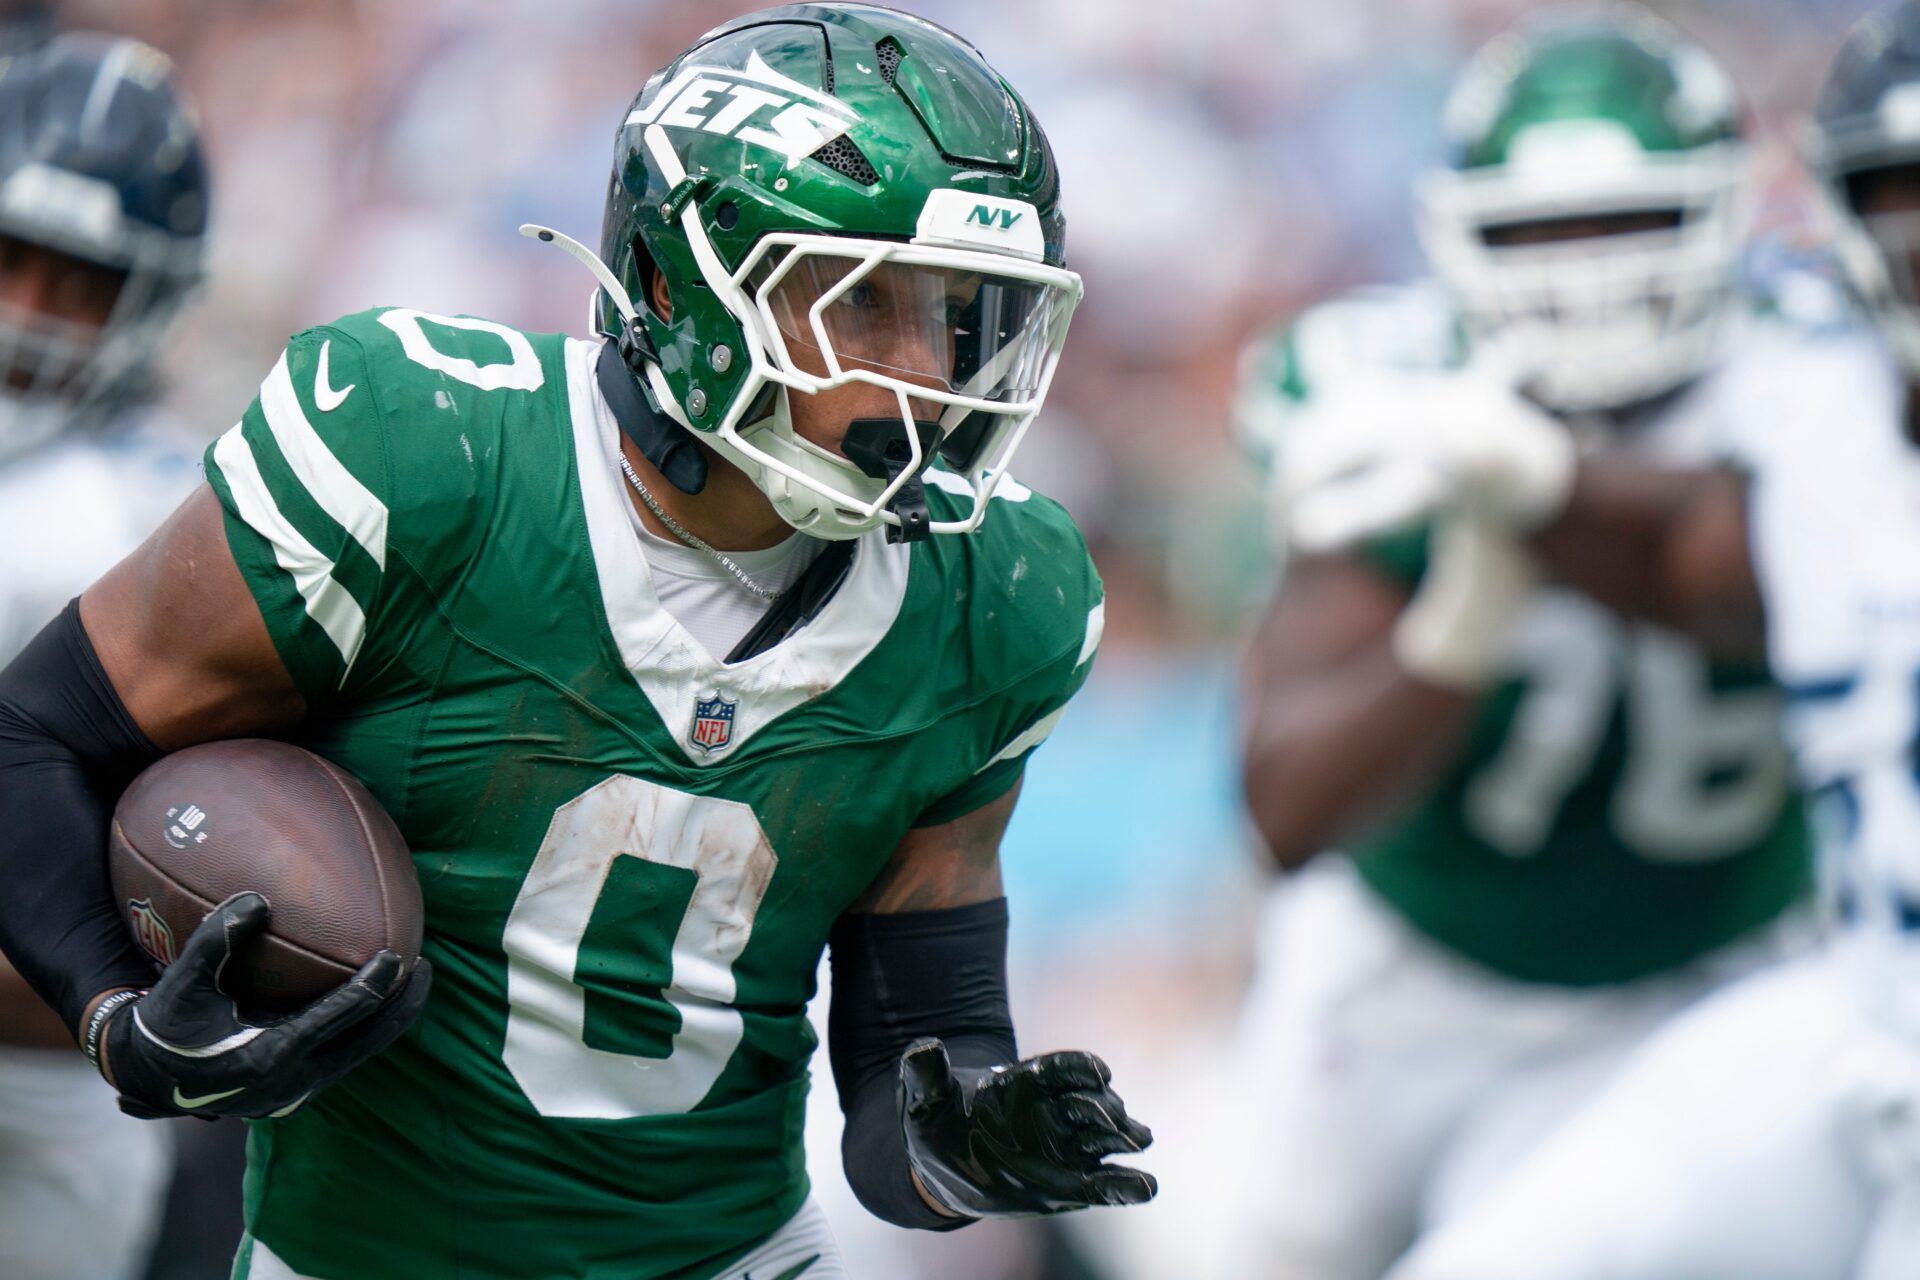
x=184 y=1049
x=1026 y=1138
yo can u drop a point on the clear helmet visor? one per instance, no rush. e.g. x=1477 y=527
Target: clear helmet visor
x=964 y=333
x=949 y=329
x=962 y=343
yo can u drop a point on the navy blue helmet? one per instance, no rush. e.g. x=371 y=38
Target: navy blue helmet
x=103 y=220
x=24 y=24
x=1867 y=125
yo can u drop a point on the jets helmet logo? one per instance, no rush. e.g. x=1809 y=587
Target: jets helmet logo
x=755 y=104
x=712 y=722
x=150 y=931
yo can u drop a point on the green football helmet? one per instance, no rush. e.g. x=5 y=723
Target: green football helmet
x=1591 y=221
x=832 y=194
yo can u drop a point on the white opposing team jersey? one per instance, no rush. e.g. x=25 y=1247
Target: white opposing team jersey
x=68 y=513
x=1836 y=541
x=81 y=1185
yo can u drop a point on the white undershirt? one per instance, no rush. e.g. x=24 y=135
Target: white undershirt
x=705 y=599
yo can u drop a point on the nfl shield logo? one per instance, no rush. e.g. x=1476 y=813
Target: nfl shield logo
x=150 y=931
x=712 y=722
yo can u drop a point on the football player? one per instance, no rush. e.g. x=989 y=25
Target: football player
x=103 y=212
x=1563 y=817
x=1773 y=1132
x=675 y=654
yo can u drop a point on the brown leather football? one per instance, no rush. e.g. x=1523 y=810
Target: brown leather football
x=218 y=819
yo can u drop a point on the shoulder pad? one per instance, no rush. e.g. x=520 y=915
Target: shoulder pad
x=384 y=430
x=440 y=390
x=412 y=353
x=1030 y=587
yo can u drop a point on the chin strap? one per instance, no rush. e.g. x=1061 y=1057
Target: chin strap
x=669 y=446
x=879 y=447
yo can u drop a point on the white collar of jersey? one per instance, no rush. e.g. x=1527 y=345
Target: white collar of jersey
x=770 y=566
x=668 y=664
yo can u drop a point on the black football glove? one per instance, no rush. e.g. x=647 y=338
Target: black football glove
x=1027 y=1138
x=184 y=1049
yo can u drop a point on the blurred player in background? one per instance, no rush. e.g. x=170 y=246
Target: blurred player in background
x=1565 y=820
x=1773 y=1132
x=103 y=214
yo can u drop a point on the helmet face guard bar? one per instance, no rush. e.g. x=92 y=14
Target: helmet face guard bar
x=1030 y=359
x=1879 y=253
x=1615 y=317
x=753 y=294
x=57 y=374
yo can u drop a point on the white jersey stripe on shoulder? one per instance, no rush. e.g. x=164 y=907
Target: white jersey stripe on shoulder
x=342 y=496
x=1096 y=627
x=1035 y=735
x=328 y=603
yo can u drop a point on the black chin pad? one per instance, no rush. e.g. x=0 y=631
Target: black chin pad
x=961 y=448
x=665 y=443
x=880 y=448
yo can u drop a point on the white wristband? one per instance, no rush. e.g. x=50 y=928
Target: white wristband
x=97 y=1023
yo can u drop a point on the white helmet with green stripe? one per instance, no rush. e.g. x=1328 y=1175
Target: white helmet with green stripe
x=1591 y=220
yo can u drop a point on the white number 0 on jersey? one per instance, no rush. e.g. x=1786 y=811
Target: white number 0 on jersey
x=722 y=843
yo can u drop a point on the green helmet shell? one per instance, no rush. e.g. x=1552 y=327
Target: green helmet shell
x=1631 y=72
x=826 y=119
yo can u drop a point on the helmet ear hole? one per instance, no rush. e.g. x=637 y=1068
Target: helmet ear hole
x=762 y=406
x=654 y=295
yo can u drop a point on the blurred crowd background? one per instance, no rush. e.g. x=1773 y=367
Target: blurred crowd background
x=1226 y=163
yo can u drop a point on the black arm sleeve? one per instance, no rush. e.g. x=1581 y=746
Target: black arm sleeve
x=898 y=979
x=68 y=747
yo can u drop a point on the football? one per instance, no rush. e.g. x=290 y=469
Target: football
x=224 y=817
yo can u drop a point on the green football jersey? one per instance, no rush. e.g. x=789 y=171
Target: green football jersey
x=631 y=853
x=1622 y=803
